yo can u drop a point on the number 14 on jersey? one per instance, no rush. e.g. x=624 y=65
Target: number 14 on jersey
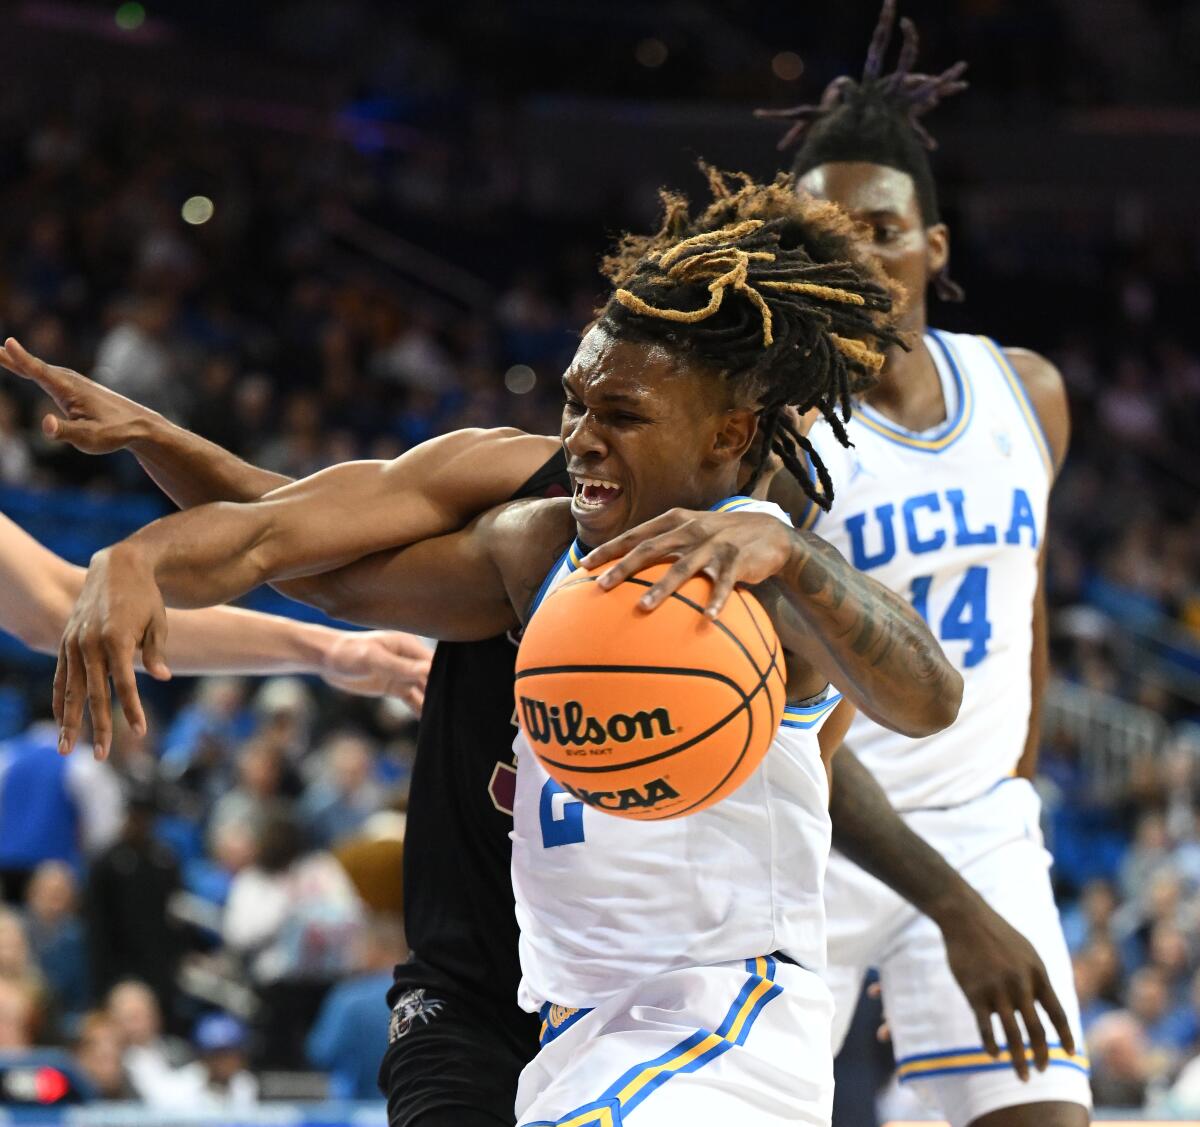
x=966 y=616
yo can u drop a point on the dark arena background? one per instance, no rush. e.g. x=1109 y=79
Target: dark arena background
x=331 y=229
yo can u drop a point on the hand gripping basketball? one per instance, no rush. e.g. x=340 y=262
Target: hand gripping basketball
x=649 y=716
x=729 y=548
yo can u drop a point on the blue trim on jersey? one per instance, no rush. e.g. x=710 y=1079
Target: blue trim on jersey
x=950 y=431
x=1024 y=404
x=689 y=1055
x=731 y=504
x=810 y=715
x=550 y=1032
x=571 y=558
x=975 y=1058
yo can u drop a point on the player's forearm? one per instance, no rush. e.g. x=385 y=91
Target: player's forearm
x=37 y=589
x=867 y=829
x=200 y=558
x=193 y=471
x=881 y=651
x=231 y=640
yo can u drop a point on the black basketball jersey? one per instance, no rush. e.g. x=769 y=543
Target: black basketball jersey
x=458 y=898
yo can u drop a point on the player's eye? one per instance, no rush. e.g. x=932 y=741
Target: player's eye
x=886 y=233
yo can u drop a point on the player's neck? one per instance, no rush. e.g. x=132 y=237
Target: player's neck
x=909 y=389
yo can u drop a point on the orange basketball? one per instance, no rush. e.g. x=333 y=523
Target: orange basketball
x=649 y=714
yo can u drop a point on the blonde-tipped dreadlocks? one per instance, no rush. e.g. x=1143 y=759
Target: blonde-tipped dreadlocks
x=769 y=290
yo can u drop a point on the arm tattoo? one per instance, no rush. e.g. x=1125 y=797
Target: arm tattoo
x=879 y=644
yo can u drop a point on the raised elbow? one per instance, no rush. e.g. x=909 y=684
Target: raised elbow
x=941 y=705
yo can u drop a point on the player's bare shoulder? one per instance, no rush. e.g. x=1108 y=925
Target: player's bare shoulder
x=526 y=539
x=1047 y=392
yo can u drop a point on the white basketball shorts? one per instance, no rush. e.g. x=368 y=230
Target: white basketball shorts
x=744 y=1042
x=995 y=842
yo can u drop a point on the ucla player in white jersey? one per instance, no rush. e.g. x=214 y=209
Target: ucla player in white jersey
x=943 y=498
x=675 y=963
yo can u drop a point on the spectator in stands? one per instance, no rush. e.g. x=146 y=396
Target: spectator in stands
x=52 y=807
x=1121 y=1067
x=16 y=461
x=134 y=357
x=98 y=1053
x=1149 y=853
x=344 y=795
x=129 y=888
x=350 y=1034
x=294 y=917
x=1091 y=1004
x=232 y=847
x=1168 y=951
x=17 y=964
x=285 y=710
x=18 y=1009
x=259 y=789
x=214 y=1084
x=374 y=860
x=1091 y=916
x=203 y=735
x=1165 y=1034
x=149 y=1055
x=56 y=934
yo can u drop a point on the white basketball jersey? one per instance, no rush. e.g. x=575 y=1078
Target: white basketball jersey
x=604 y=901
x=952 y=519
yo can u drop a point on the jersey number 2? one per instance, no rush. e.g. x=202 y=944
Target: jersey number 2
x=561 y=816
x=966 y=617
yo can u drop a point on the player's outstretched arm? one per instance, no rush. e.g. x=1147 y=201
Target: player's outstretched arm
x=97 y=420
x=995 y=965
x=852 y=629
x=449 y=586
x=475 y=470
x=39 y=589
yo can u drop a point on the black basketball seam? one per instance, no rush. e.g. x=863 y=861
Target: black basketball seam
x=763 y=676
x=747 y=698
x=774 y=648
x=683 y=599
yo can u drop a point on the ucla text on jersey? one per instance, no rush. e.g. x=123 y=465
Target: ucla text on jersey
x=953 y=519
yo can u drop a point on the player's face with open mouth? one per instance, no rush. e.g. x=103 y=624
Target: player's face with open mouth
x=641 y=435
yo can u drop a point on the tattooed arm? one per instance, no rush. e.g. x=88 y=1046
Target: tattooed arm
x=847 y=627
x=864 y=637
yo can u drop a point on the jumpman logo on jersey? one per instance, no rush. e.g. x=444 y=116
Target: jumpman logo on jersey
x=857 y=469
x=1003 y=442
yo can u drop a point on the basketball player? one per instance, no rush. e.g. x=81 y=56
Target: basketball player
x=456 y=1063
x=655 y=988
x=943 y=497
x=38 y=589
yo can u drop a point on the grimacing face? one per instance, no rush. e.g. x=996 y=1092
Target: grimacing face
x=644 y=432
x=885 y=200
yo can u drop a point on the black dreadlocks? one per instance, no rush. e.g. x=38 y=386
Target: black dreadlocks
x=877 y=120
x=772 y=292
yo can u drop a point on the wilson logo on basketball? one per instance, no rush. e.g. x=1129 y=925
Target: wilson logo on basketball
x=570 y=725
x=629 y=798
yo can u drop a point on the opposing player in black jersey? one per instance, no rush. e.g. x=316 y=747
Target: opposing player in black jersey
x=459 y=1039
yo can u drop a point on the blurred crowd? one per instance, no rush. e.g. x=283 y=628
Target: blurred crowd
x=228 y=903
x=234 y=902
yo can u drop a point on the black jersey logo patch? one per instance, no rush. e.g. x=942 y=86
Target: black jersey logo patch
x=412 y=1006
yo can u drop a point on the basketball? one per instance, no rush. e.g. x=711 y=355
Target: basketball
x=649 y=714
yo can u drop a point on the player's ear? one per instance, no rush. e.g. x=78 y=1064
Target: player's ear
x=937 y=252
x=735 y=434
